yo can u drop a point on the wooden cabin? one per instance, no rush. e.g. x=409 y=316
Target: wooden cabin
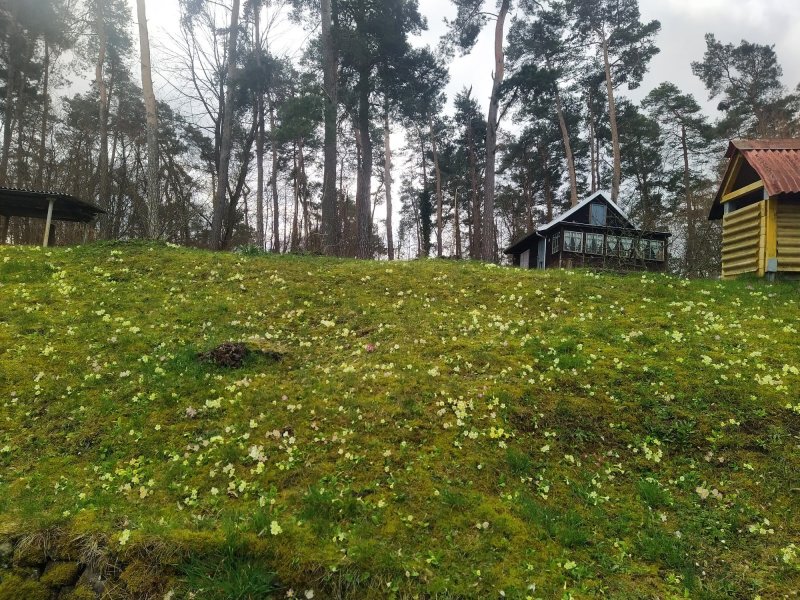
x=596 y=234
x=759 y=205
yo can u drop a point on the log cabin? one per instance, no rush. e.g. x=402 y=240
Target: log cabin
x=759 y=205
x=595 y=234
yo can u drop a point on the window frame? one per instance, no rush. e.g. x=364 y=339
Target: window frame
x=572 y=235
x=602 y=205
x=626 y=252
x=600 y=247
x=555 y=243
x=617 y=247
x=659 y=254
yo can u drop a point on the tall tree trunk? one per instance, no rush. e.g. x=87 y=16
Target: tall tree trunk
x=45 y=116
x=226 y=142
x=573 y=177
x=387 y=178
x=20 y=118
x=260 y=233
x=457 y=225
x=489 y=233
x=304 y=195
x=612 y=122
x=276 y=223
x=363 y=195
x=439 y=198
x=330 y=225
x=687 y=188
x=424 y=227
x=548 y=188
x=296 y=196
x=475 y=222
x=102 y=161
x=592 y=135
x=8 y=116
x=153 y=223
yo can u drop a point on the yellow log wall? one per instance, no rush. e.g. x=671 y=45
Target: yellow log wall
x=744 y=240
x=789 y=236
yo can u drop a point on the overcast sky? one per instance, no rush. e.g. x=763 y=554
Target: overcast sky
x=683 y=25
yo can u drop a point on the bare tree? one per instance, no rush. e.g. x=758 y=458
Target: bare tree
x=153 y=204
x=226 y=141
x=488 y=248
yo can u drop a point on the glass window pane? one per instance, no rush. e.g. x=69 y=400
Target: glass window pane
x=613 y=245
x=598 y=214
x=627 y=246
x=556 y=243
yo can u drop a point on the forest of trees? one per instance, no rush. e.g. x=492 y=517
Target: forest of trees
x=295 y=153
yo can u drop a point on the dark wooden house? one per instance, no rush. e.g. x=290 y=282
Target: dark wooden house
x=759 y=205
x=597 y=234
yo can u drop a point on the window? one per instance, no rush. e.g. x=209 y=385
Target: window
x=594 y=243
x=573 y=241
x=626 y=246
x=556 y=242
x=640 y=246
x=613 y=245
x=597 y=214
x=654 y=250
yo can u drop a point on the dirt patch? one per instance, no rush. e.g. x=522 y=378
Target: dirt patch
x=232 y=355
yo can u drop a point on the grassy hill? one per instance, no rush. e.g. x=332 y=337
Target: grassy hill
x=422 y=430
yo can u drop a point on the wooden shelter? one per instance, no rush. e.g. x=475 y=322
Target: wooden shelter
x=595 y=234
x=49 y=206
x=759 y=204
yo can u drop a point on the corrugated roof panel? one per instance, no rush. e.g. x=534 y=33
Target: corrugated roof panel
x=779 y=169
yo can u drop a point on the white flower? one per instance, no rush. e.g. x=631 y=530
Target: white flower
x=275 y=528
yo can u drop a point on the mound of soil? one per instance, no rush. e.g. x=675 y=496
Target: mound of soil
x=232 y=355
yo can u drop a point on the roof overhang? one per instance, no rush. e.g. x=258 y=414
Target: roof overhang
x=523 y=244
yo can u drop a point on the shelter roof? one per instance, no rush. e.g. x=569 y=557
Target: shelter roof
x=34 y=203
x=776 y=161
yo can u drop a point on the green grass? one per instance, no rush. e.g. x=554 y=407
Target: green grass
x=434 y=429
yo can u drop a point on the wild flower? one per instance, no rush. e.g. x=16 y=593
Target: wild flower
x=124 y=537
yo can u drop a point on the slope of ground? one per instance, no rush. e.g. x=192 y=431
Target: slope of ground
x=427 y=429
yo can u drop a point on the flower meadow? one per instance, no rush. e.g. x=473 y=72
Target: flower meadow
x=408 y=430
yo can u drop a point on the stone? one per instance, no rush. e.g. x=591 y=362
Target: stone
x=61 y=574
x=30 y=555
x=92 y=580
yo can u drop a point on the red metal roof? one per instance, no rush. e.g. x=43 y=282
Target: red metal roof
x=776 y=161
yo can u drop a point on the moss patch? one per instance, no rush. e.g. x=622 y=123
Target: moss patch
x=61 y=574
x=15 y=588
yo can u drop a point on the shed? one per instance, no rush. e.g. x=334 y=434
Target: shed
x=759 y=205
x=596 y=233
x=47 y=205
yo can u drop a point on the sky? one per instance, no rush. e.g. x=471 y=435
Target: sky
x=681 y=40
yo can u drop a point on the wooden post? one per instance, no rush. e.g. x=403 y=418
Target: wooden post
x=4 y=230
x=48 y=222
x=85 y=232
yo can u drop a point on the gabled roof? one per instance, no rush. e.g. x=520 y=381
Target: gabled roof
x=776 y=161
x=34 y=203
x=580 y=205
